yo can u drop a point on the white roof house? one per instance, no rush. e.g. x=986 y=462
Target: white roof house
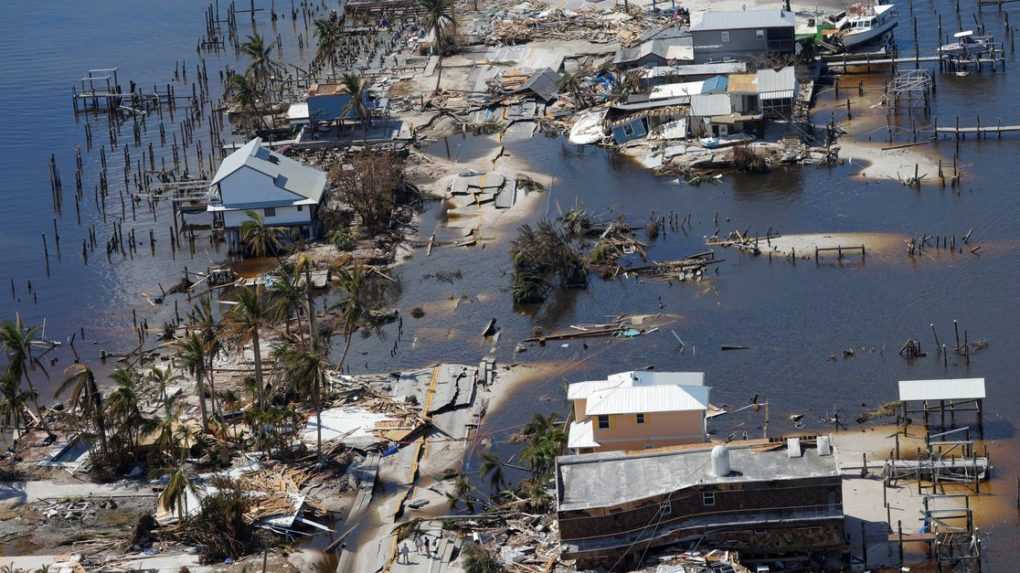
x=254 y=177
x=634 y=392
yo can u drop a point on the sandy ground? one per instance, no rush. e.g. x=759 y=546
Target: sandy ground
x=885 y=245
x=897 y=164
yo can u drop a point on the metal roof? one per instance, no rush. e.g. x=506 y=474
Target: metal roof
x=777 y=84
x=743 y=19
x=671 y=48
x=642 y=392
x=694 y=69
x=945 y=389
x=287 y=174
x=651 y=104
x=582 y=435
x=676 y=90
x=544 y=84
x=708 y=105
x=614 y=478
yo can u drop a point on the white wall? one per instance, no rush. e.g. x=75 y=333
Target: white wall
x=284 y=216
x=247 y=185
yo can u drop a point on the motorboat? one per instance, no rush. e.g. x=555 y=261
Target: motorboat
x=863 y=23
x=966 y=44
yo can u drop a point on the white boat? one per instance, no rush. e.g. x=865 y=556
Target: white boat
x=966 y=44
x=864 y=23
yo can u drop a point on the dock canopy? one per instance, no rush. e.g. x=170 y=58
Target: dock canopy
x=944 y=389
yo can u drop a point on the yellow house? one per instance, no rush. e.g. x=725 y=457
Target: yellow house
x=637 y=410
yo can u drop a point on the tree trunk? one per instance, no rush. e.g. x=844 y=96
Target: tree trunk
x=313 y=337
x=200 y=386
x=212 y=387
x=257 y=351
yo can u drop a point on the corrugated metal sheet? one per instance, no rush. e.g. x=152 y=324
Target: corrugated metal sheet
x=774 y=84
x=708 y=105
x=947 y=389
x=647 y=399
x=676 y=90
x=743 y=19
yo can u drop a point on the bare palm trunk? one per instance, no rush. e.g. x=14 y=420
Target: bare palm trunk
x=257 y=351
x=35 y=400
x=200 y=386
x=212 y=388
x=313 y=337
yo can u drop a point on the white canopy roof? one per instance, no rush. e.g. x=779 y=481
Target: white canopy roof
x=642 y=392
x=946 y=389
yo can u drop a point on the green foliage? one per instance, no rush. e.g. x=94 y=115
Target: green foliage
x=220 y=526
x=439 y=19
x=342 y=238
x=261 y=239
x=540 y=254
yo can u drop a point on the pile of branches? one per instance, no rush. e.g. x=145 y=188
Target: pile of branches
x=544 y=256
x=220 y=528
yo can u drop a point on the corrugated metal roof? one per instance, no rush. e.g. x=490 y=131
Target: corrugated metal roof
x=287 y=174
x=773 y=84
x=708 y=105
x=715 y=85
x=676 y=90
x=677 y=48
x=651 y=104
x=947 y=389
x=743 y=19
x=544 y=84
x=647 y=399
x=632 y=378
x=694 y=69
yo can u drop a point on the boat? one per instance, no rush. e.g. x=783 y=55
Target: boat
x=863 y=23
x=966 y=44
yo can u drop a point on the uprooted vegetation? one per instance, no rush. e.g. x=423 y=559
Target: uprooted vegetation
x=544 y=256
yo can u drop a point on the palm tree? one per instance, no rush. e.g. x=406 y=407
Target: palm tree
x=328 y=35
x=86 y=398
x=288 y=294
x=261 y=66
x=573 y=83
x=252 y=312
x=546 y=440
x=357 y=88
x=16 y=340
x=245 y=94
x=492 y=466
x=202 y=318
x=175 y=494
x=123 y=411
x=353 y=308
x=162 y=377
x=302 y=371
x=191 y=350
x=261 y=239
x=14 y=400
x=440 y=21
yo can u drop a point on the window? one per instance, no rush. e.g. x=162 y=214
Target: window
x=300 y=208
x=726 y=37
x=628 y=130
x=269 y=211
x=603 y=422
x=665 y=508
x=708 y=498
x=759 y=34
x=640 y=418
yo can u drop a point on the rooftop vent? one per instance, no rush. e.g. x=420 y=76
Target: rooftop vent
x=721 y=461
x=824 y=446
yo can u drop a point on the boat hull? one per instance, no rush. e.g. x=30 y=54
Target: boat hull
x=869 y=35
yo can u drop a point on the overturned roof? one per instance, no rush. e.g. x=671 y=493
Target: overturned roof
x=945 y=389
x=744 y=19
x=613 y=478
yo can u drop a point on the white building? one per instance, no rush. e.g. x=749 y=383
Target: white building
x=638 y=410
x=285 y=192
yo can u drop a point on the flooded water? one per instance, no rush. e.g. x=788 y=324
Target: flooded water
x=797 y=320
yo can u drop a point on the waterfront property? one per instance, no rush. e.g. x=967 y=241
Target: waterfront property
x=613 y=506
x=743 y=34
x=635 y=410
x=285 y=192
x=655 y=52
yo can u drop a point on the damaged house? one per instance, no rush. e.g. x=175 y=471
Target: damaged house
x=759 y=501
x=743 y=35
x=659 y=51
